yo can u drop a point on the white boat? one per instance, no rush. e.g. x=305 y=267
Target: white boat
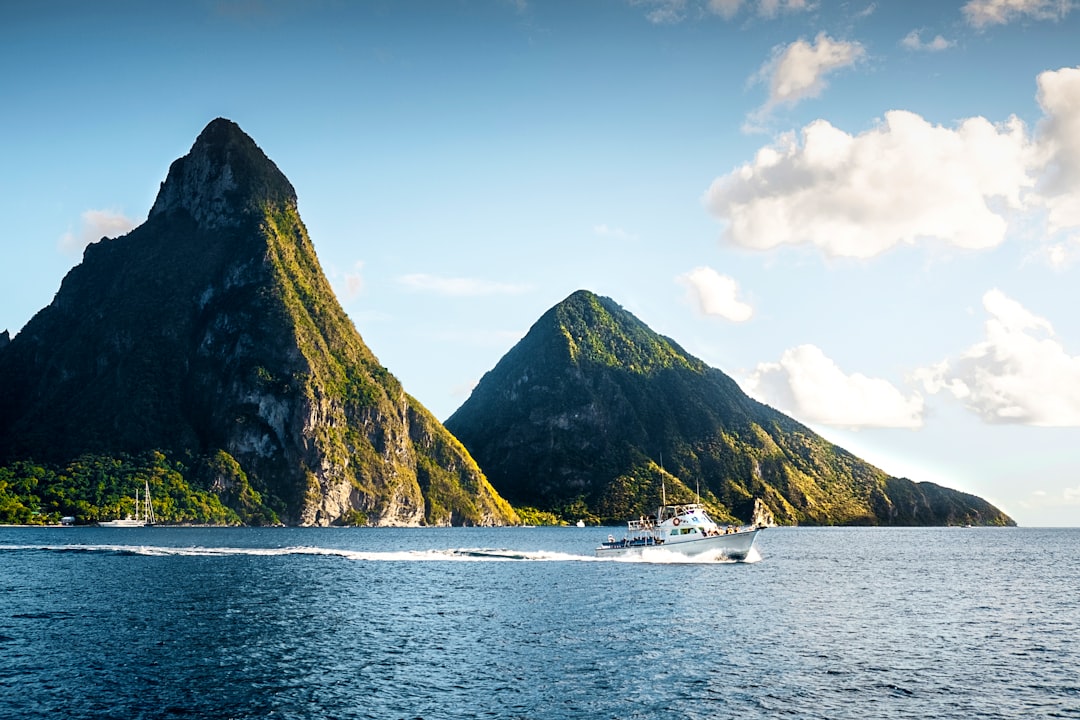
x=144 y=513
x=684 y=529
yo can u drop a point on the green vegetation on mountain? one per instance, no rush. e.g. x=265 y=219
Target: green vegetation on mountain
x=210 y=335
x=593 y=415
x=94 y=488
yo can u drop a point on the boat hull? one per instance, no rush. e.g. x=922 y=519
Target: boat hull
x=730 y=546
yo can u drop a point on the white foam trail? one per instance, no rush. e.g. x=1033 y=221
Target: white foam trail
x=670 y=556
x=451 y=554
x=652 y=555
x=663 y=556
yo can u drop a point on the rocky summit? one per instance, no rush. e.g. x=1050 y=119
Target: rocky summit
x=594 y=415
x=209 y=334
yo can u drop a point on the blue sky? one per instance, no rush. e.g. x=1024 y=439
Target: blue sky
x=868 y=213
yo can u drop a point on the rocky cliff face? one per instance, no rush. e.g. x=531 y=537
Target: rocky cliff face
x=210 y=331
x=592 y=413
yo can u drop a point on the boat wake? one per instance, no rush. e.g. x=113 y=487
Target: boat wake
x=657 y=556
x=460 y=554
x=662 y=556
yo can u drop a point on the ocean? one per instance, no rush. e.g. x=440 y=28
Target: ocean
x=525 y=623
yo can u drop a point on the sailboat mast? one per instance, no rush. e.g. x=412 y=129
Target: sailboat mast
x=148 y=512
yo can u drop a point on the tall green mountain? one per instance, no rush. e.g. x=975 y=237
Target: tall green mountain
x=210 y=333
x=592 y=413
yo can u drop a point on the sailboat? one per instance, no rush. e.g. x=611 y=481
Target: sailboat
x=144 y=512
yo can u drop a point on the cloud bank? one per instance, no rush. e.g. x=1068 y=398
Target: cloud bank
x=1021 y=373
x=1058 y=146
x=907 y=180
x=807 y=385
x=861 y=195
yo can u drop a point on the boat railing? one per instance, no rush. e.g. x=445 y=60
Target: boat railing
x=673 y=511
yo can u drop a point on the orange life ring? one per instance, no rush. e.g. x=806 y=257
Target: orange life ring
x=676 y=521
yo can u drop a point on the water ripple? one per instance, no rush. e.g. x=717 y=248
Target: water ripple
x=484 y=623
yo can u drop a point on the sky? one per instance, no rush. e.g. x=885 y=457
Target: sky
x=867 y=213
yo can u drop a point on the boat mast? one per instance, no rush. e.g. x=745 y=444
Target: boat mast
x=148 y=510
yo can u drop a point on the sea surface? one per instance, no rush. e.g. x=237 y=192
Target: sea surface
x=525 y=623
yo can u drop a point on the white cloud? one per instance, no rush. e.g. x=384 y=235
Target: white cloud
x=1058 y=143
x=668 y=12
x=772 y=8
x=95 y=224
x=458 y=287
x=604 y=230
x=1059 y=256
x=811 y=387
x=980 y=13
x=349 y=284
x=716 y=294
x=725 y=8
x=765 y=8
x=907 y=180
x=913 y=41
x=354 y=281
x=463 y=391
x=663 y=12
x=1055 y=499
x=1021 y=373
x=798 y=71
x=860 y=195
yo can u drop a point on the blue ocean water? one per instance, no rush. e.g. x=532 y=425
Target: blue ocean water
x=525 y=623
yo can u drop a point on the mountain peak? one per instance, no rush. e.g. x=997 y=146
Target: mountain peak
x=223 y=177
x=598 y=330
x=209 y=335
x=593 y=414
